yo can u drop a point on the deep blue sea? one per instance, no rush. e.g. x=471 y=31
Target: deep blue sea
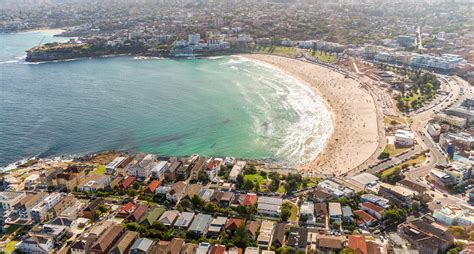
x=225 y=106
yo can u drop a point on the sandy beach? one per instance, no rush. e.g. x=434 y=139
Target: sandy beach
x=355 y=137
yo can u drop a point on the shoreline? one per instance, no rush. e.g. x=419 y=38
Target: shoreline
x=340 y=153
x=354 y=136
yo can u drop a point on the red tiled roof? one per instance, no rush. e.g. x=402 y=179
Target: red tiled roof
x=364 y=216
x=152 y=186
x=128 y=206
x=357 y=243
x=139 y=212
x=218 y=249
x=373 y=207
x=127 y=182
x=250 y=199
x=233 y=223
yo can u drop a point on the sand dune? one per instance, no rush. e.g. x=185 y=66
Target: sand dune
x=355 y=137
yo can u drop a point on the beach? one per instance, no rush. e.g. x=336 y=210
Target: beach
x=355 y=135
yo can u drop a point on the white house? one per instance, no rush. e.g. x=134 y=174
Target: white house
x=236 y=170
x=404 y=138
x=159 y=169
x=269 y=206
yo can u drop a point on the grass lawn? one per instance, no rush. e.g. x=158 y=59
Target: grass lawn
x=294 y=211
x=10 y=247
x=277 y=50
x=255 y=178
x=281 y=188
x=100 y=170
x=417 y=160
x=323 y=57
x=398 y=119
x=394 y=151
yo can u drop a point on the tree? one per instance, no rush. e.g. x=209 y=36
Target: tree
x=240 y=181
x=275 y=182
x=241 y=237
x=285 y=213
x=248 y=185
x=202 y=177
x=393 y=215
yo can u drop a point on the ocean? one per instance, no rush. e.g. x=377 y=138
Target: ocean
x=220 y=106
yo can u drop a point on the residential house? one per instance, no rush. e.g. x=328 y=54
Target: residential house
x=252 y=250
x=191 y=191
x=298 y=238
x=319 y=195
x=94 y=182
x=197 y=168
x=217 y=249
x=203 y=248
x=200 y=224
x=142 y=168
x=142 y=246
x=376 y=200
x=321 y=214
x=233 y=224
x=347 y=213
x=9 y=199
x=279 y=233
x=364 y=219
x=269 y=206
x=336 y=189
x=250 y=199
x=90 y=209
x=189 y=248
x=252 y=229
x=226 y=199
x=329 y=243
x=68 y=204
x=152 y=216
x=307 y=213
x=111 y=168
x=107 y=240
x=213 y=167
x=184 y=220
x=66 y=181
x=169 y=217
x=161 y=191
x=151 y=188
x=171 y=171
x=39 y=212
x=236 y=170
x=216 y=226
x=36 y=244
x=264 y=239
x=138 y=214
x=360 y=245
x=397 y=194
x=374 y=210
x=177 y=192
x=126 y=210
x=159 y=170
x=173 y=247
x=335 y=212
x=206 y=194
x=124 y=243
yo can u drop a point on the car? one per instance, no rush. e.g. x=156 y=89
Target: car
x=445 y=195
x=438 y=202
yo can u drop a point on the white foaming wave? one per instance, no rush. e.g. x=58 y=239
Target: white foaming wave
x=148 y=58
x=215 y=57
x=304 y=138
x=10 y=62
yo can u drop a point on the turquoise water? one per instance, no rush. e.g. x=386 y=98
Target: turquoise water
x=224 y=106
